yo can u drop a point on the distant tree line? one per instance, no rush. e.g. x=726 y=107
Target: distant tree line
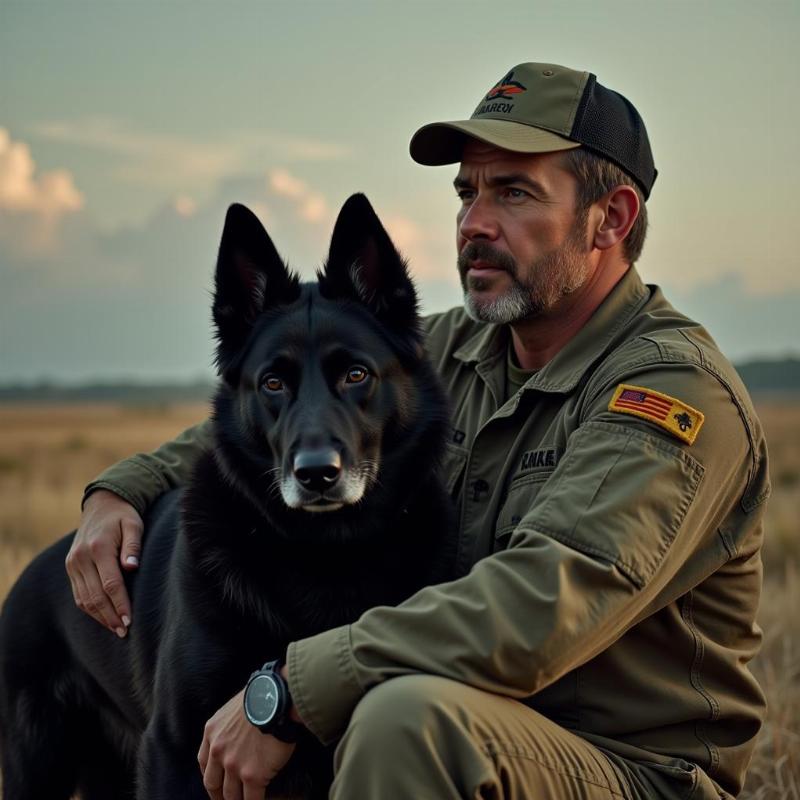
x=775 y=377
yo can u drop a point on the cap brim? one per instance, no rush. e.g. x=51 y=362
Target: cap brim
x=443 y=142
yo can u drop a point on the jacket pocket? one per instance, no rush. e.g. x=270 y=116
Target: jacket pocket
x=453 y=462
x=620 y=495
x=519 y=500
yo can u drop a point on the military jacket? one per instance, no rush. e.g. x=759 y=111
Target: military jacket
x=610 y=525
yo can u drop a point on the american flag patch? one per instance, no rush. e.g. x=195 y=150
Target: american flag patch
x=670 y=413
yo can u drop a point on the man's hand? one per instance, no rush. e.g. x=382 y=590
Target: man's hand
x=110 y=529
x=236 y=759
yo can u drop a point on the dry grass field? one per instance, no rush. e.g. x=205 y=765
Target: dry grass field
x=48 y=454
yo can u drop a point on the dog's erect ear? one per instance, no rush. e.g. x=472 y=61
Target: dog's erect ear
x=363 y=264
x=251 y=278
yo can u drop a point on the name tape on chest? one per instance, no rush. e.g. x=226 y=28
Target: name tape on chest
x=679 y=419
x=546 y=458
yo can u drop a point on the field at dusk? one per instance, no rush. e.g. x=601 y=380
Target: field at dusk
x=48 y=453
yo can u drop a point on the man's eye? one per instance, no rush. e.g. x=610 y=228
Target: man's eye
x=356 y=375
x=465 y=195
x=515 y=194
x=272 y=383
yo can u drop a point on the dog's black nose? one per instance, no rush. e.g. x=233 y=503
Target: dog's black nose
x=317 y=470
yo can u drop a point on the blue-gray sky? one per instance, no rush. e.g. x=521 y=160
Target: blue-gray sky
x=127 y=128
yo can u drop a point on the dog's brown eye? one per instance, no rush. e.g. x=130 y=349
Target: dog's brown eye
x=356 y=375
x=272 y=383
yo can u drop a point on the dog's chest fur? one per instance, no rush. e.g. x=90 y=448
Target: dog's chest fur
x=246 y=567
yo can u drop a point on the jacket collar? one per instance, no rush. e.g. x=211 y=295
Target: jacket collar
x=565 y=369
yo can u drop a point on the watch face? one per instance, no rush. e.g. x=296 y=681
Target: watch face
x=262 y=699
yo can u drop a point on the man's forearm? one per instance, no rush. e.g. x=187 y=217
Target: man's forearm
x=142 y=478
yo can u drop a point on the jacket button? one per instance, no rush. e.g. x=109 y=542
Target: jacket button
x=479 y=487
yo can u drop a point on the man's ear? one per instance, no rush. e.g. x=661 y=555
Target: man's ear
x=251 y=277
x=364 y=265
x=619 y=208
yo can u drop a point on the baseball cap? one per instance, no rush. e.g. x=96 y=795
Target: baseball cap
x=541 y=108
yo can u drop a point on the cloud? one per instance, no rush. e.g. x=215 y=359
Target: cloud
x=299 y=148
x=164 y=160
x=50 y=194
x=310 y=205
x=430 y=254
x=404 y=231
x=148 y=158
x=134 y=301
x=36 y=210
x=184 y=205
x=282 y=182
x=171 y=250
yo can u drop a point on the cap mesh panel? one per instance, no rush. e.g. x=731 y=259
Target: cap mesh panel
x=608 y=124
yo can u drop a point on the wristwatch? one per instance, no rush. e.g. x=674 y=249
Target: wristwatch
x=267 y=702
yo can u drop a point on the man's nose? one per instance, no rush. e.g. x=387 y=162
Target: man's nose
x=478 y=220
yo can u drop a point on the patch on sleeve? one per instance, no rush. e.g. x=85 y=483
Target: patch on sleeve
x=670 y=413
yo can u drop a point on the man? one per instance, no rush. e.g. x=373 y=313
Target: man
x=610 y=475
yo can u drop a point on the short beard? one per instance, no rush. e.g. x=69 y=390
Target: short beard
x=549 y=278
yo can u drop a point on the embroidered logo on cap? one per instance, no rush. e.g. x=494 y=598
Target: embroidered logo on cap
x=679 y=419
x=506 y=88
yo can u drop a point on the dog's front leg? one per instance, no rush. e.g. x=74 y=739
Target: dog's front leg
x=168 y=769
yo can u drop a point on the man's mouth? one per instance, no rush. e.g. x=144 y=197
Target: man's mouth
x=482 y=263
x=481 y=274
x=484 y=267
x=479 y=260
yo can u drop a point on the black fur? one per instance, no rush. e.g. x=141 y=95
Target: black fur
x=237 y=566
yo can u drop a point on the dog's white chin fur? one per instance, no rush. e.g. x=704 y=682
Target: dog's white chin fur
x=354 y=484
x=327 y=507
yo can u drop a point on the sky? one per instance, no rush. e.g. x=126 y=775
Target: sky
x=126 y=129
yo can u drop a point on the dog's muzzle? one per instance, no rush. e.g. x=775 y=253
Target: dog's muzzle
x=317 y=470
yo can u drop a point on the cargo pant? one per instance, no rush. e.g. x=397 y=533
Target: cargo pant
x=422 y=737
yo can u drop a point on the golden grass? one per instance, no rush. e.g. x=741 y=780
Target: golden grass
x=48 y=454
x=775 y=769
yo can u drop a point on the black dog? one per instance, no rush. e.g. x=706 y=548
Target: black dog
x=320 y=500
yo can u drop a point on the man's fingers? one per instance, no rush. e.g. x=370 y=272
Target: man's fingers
x=115 y=593
x=73 y=582
x=99 y=605
x=213 y=776
x=232 y=786
x=85 y=561
x=93 y=601
x=130 y=551
x=108 y=524
x=210 y=765
x=202 y=754
x=254 y=790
